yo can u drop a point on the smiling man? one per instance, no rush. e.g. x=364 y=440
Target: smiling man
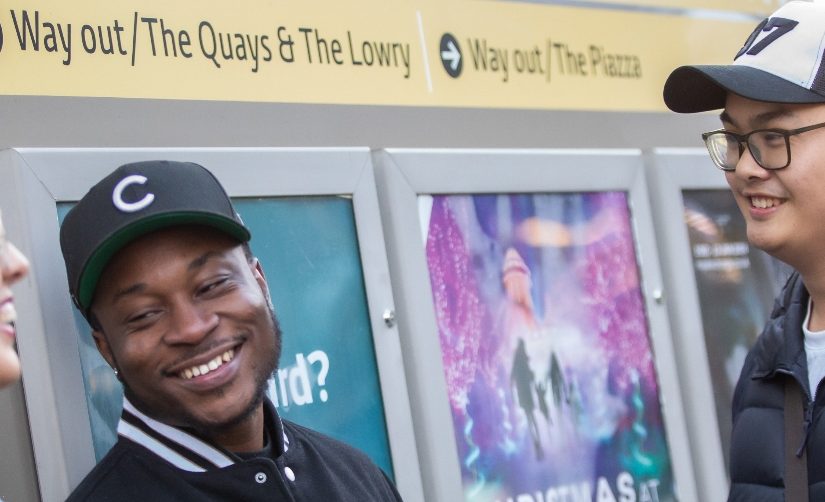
x=159 y=264
x=772 y=149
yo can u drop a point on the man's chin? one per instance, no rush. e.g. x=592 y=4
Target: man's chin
x=218 y=425
x=202 y=420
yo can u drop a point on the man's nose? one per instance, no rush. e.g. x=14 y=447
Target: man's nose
x=191 y=323
x=748 y=168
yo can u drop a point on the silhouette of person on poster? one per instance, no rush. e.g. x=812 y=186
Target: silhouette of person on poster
x=522 y=376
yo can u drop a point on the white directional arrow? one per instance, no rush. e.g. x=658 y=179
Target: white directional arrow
x=452 y=55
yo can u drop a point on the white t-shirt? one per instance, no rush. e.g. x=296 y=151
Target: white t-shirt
x=815 y=351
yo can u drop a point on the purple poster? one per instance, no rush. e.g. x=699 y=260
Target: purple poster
x=545 y=347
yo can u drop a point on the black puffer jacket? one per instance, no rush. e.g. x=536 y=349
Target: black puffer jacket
x=757 y=443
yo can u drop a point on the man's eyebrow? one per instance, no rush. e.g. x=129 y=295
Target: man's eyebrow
x=202 y=259
x=725 y=117
x=135 y=288
x=193 y=265
x=760 y=119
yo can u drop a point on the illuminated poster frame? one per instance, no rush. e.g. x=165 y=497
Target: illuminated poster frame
x=405 y=178
x=41 y=179
x=678 y=177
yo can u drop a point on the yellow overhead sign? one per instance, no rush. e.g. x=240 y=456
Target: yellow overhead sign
x=752 y=7
x=365 y=52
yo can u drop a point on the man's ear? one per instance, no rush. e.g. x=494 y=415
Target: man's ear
x=260 y=277
x=103 y=347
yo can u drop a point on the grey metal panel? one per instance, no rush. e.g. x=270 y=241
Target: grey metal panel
x=18 y=476
x=288 y=171
x=66 y=174
x=48 y=350
x=416 y=319
x=671 y=171
x=403 y=174
x=43 y=121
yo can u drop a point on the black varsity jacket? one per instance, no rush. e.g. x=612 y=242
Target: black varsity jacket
x=157 y=462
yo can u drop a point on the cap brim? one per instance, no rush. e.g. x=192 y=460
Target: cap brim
x=97 y=262
x=701 y=88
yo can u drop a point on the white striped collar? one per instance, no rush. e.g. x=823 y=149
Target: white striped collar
x=180 y=448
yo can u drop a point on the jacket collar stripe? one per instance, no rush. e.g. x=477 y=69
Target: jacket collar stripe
x=129 y=431
x=180 y=450
x=286 y=439
x=190 y=443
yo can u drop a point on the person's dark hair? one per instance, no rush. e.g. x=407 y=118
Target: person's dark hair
x=93 y=322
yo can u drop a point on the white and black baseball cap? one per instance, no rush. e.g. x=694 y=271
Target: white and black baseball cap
x=781 y=62
x=132 y=201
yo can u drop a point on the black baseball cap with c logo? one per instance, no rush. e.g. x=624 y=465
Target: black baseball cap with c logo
x=132 y=201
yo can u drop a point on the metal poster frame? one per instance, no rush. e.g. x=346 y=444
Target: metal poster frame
x=36 y=180
x=405 y=174
x=672 y=171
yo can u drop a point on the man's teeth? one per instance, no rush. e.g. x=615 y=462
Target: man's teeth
x=764 y=202
x=205 y=368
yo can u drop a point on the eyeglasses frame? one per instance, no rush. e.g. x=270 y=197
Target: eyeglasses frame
x=743 y=139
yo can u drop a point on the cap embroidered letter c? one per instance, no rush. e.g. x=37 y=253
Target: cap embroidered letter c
x=131 y=207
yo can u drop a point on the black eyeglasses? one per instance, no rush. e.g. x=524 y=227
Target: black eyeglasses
x=770 y=148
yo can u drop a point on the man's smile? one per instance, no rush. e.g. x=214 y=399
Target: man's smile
x=207 y=361
x=213 y=364
x=765 y=202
